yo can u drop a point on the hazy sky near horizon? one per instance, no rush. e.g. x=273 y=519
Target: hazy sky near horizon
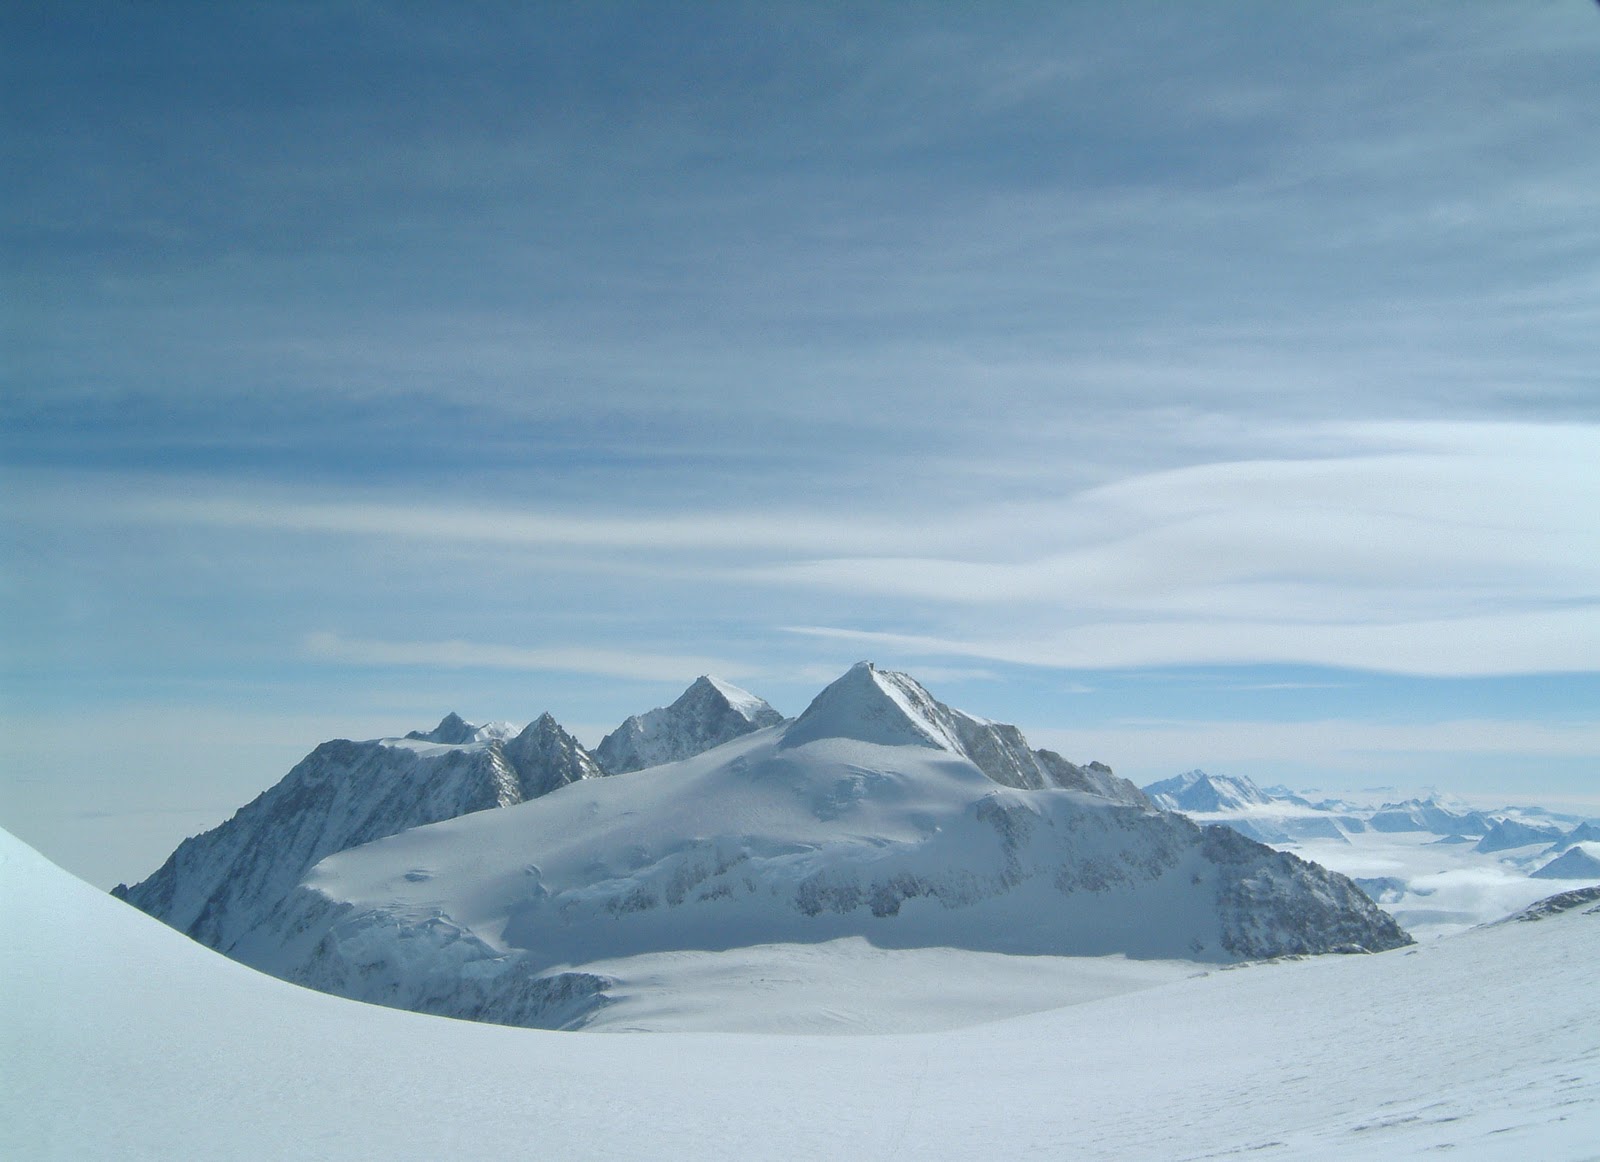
x=1206 y=385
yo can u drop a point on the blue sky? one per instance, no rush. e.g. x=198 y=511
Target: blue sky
x=1191 y=384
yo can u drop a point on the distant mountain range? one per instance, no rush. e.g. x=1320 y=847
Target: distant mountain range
x=1276 y=815
x=474 y=871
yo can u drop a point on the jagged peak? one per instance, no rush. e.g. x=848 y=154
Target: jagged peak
x=545 y=724
x=710 y=712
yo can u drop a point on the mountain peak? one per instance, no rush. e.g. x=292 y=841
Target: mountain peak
x=748 y=706
x=709 y=713
x=452 y=729
x=888 y=708
x=1198 y=791
x=877 y=706
x=1581 y=861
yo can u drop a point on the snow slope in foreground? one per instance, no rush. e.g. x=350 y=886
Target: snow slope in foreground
x=122 y=1039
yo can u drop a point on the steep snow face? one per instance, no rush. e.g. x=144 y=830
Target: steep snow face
x=218 y=886
x=879 y=707
x=888 y=708
x=773 y=839
x=709 y=713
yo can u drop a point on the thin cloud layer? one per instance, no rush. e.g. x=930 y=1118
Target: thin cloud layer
x=636 y=665
x=1421 y=549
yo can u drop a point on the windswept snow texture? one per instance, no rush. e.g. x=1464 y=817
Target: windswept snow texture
x=863 y=818
x=218 y=887
x=709 y=713
x=120 y=1039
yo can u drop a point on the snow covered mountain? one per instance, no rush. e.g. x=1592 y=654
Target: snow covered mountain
x=1197 y=791
x=1581 y=861
x=1429 y=815
x=709 y=713
x=1274 y=815
x=1278 y=815
x=219 y=886
x=1584 y=832
x=884 y=706
x=878 y=813
x=1507 y=834
x=455 y=730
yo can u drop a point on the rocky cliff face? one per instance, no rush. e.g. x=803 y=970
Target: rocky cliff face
x=220 y=885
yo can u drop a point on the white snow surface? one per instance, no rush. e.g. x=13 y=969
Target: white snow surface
x=876 y=706
x=753 y=707
x=122 y=1039
x=850 y=986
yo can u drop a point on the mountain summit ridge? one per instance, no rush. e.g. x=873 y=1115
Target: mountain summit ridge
x=709 y=713
x=887 y=707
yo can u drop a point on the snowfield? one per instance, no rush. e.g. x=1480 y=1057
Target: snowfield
x=125 y=1040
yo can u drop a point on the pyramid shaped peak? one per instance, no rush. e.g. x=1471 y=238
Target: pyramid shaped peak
x=885 y=707
x=545 y=724
x=749 y=706
x=452 y=729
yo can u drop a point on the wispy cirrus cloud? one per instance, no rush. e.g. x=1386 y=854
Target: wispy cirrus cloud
x=1438 y=548
x=639 y=665
x=1558 y=641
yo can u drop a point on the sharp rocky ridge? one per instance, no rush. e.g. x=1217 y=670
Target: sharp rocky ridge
x=219 y=885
